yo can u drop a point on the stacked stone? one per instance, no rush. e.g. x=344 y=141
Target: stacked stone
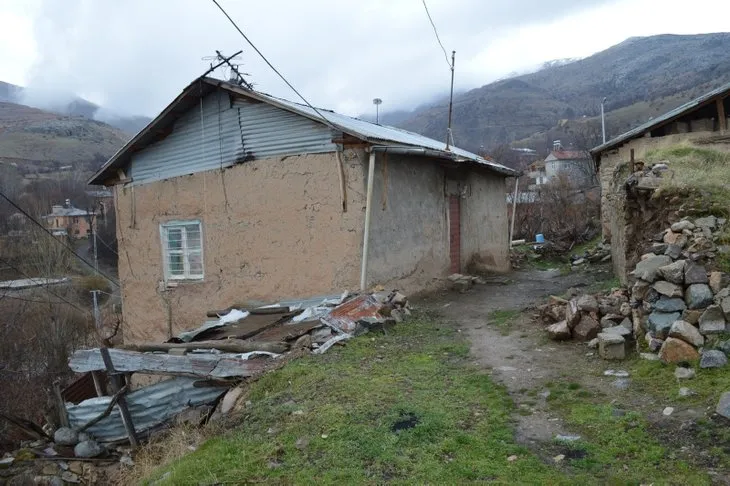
x=679 y=304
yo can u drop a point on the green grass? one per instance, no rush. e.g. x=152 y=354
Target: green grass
x=353 y=396
x=502 y=319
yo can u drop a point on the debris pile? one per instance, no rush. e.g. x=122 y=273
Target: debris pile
x=600 y=253
x=681 y=306
x=603 y=321
x=199 y=373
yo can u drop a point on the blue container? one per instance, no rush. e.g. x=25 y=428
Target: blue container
x=540 y=238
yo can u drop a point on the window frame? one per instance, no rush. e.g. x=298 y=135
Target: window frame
x=184 y=251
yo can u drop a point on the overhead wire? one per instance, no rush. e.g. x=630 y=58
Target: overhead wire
x=327 y=122
x=438 y=39
x=67 y=247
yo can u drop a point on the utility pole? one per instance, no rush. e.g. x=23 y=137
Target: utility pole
x=96 y=255
x=603 y=120
x=377 y=102
x=97 y=314
x=449 y=136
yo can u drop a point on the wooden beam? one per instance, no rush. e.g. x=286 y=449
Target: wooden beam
x=197 y=365
x=119 y=389
x=225 y=345
x=722 y=119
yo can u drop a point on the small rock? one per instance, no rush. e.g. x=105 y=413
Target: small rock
x=685 y=392
x=680 y=226
x=298 y=412
x=695 y=274
x=587 y=328
x=49 y=469
x=305 y=341
x=627 y=324
x=712 y=320
x=666 y=304
x=126 y=460
x=687 y=333
x=6 y=462
x=621 y=383
x=76 y=467
x=88 y=448
x=692 y=316
x=572 y=313
x=593 y=343
x=579 y=261
x=661 y=322
x=69 y=477
x=587 y=303
x=66 y=436
x=707 y=222
x=649 y=356
x=512 y=458
x=698 y=296
x=673 y=251
x=724 y=346
x=620 y=330
x=611 y=346
x=674 y=272
x=713 y=358
x=718 y=281
x=616 y=373
x=559 y=458
x=682 y=373
x=301 y=443
x=230 y=399
x=567 y=438
x=610 y=320
x=647 y=268
x=723 y=405
x=667 y=288
x=640 y=288
x=625 y=309
x=676 y=351
x=668 y=411
x=559 y=331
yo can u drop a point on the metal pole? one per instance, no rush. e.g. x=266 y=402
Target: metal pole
x=377 y=114
x=96 y=256
x=514 y=211
x=451 y=100
x=366 y=232
x=603 y=121
x=97 y=314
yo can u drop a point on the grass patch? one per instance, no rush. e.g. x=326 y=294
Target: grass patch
x=329 y=419
x=503 y=319
x=616 y=446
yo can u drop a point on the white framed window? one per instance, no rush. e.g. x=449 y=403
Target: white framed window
x=182 y=250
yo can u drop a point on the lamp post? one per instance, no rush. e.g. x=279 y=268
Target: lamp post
x=377 y=102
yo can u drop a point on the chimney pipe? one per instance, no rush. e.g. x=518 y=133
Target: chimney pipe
x=68 y=203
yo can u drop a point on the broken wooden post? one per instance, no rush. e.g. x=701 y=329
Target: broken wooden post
x=62 y=413
x=97 y=384
x=720 y=103
x=121 y=402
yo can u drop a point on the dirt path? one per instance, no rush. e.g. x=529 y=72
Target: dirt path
x=527 y=363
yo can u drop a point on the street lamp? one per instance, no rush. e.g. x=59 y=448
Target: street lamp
x=603 y=120
x=377 y=102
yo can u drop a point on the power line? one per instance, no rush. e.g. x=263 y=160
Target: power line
x=272 y=66
x=105 y=244
x=44 y=288
x=437 y=34
x=67 y=247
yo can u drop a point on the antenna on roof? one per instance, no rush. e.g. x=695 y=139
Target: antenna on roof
x=377 y=102
x=236 y=76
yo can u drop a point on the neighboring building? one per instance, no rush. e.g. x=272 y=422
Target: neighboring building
x=702 y=121
x=537 y=174
x=103 y=202
x=231 y=194
x=576 y=166
x=67 y=220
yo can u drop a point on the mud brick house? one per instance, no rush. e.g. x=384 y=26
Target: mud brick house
x=231 y=194
x=67 y=220
x=701 y=122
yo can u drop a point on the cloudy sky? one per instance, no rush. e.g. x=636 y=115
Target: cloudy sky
x=134 y=56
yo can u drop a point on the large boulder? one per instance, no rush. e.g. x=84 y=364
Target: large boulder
x=640 y=289
x=709 y=222
x=559 y=331
x=695 y=274
x=680 y=226
x=667 y=288
x=587 y=329
x=647 y=269
x=88 y=449
x=587 y=303
x=674 y=272
x=698 y=296
x=713 y=358
x=687 y=333
x=676 y=351
x=712 y=320
x=665 y=304
x=611 y=346
x=65 y=436
x=692 y=316
x=673 y=251
x=718 y=281
x=661 y=322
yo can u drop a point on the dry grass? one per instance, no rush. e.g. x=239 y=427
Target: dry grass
x=696 y=168
x=163 y=450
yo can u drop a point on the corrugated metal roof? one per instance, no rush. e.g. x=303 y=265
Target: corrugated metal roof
x=660 y=120
x=150 y=407
x=570 y=154
x=366 y=131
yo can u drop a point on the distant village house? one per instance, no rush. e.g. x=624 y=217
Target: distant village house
x=231 y=194
x=67 y=220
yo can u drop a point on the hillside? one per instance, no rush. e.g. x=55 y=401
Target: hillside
x=36 y=141
x=79 y=107
x=640 y=77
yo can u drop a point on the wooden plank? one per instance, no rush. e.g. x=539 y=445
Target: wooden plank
x=226 y=345
x=720 y=103
x=198 y=365
x=118 y=389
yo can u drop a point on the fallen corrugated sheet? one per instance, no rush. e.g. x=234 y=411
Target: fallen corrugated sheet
x=246 y=326
x=344 y=317
x=208 y=365
x=286 y=332
x=149 y=407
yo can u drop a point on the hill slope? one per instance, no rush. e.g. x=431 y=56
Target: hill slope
x=641 y=77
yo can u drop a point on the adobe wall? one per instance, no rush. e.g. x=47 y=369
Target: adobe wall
x=272 y=228
x=614 y=171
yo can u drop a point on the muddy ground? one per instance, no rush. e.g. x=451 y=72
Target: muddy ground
x=522 y=358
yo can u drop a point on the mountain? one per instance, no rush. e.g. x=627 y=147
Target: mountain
x=74 y=106
x=640 y=77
